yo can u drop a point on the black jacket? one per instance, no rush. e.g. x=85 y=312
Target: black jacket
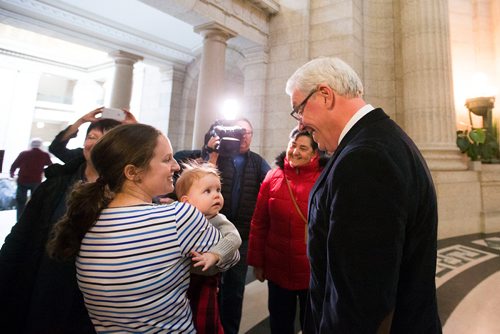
x=58 y=148
x=40 y=295
x=254 y=172
x=373 y=235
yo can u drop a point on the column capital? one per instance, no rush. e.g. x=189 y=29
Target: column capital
x=214 y=30
x=123 y=57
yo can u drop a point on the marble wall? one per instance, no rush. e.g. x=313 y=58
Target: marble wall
x=401 y=72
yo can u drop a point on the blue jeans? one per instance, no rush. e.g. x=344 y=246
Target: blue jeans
x=231 y=293
x=282 y=306
x=22 y=196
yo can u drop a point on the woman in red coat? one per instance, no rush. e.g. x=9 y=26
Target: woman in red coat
x=277 y=243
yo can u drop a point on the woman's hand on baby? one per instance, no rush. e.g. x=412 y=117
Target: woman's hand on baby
x=204 y=260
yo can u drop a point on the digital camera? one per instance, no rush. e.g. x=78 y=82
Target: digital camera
x=230 y=138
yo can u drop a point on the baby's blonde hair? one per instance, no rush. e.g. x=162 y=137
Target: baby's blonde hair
x=193 y=171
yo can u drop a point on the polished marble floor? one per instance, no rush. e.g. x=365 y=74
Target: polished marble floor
x=468 y=288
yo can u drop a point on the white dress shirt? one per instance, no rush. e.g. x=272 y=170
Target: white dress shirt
x=354 y=119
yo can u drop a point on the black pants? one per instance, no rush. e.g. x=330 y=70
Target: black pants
x=22 y=195
x=282 y=306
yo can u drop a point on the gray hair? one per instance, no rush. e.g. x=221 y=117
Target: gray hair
x=332 y=71
x=36 y=142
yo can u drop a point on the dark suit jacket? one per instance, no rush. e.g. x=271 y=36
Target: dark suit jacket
x=372 y=235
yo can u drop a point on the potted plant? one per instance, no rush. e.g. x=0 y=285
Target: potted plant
x=469 y=142
x=479 y=144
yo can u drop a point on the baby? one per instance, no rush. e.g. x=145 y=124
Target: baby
x=200 y=185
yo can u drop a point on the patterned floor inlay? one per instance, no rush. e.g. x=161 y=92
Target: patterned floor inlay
x=493 y=242
x=453 y=260
x=463 y=263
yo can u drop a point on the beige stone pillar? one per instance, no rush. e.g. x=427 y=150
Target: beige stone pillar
x=172 y=80
x=123 y=78
x=211 y=78
x=254 y=93
x=427 y=80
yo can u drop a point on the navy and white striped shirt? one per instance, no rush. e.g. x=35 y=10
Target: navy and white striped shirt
x=133 y=267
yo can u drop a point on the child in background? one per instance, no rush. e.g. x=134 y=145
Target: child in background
x=200 y=185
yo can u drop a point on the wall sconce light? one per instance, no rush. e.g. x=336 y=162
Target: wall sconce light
x=482 y=106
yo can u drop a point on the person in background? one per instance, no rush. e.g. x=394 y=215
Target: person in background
x=372 y=212
x=241 y=176
x=277 y=243
x=132 y=256
x=58 y=145
x=182 y=157
x=42 y=295
x=199 y=185
x=30 y=164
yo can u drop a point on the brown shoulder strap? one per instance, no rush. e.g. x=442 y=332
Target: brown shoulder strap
x=296 y=205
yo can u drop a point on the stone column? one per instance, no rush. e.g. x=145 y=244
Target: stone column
x=172 y=80
x=254 y=93
x=427 y=80
x=123 y=78
x=161 y=94
x=211 y=79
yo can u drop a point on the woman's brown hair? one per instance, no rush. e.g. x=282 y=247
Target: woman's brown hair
x=131 y=144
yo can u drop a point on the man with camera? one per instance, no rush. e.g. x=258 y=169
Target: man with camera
x=242 y=172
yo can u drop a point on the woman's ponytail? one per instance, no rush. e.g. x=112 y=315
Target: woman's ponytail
x=85 y=203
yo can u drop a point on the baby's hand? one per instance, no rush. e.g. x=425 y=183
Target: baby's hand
x=206 y=260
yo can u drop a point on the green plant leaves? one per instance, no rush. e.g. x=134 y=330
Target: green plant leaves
x=463 y=142
x=478 y=144
x=478 y=135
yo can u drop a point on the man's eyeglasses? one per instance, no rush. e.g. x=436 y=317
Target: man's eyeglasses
x=299 y=109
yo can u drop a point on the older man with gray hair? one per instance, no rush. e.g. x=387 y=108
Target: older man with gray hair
x=372 y=212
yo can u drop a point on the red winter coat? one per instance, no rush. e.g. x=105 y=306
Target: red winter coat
x=277 y=240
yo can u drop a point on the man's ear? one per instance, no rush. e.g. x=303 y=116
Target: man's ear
x=325 y=90
x=131 y=173
x=327 y=94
